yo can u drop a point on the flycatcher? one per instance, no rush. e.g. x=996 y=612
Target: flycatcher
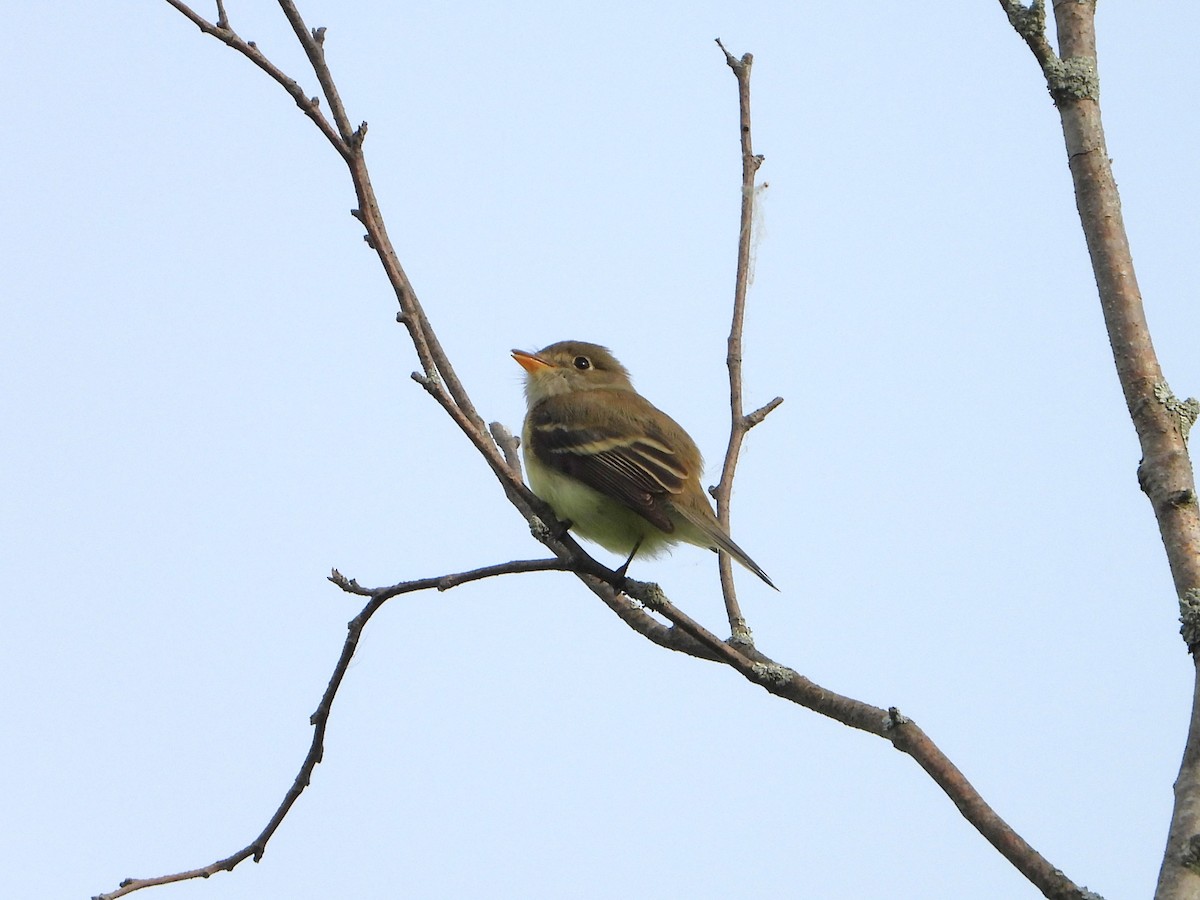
x=622 y=472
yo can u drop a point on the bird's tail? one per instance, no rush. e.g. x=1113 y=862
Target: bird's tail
x=716 y=538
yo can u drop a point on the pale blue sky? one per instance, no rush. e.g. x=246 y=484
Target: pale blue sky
x=208 y=406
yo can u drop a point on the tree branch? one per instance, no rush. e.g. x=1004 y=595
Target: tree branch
x=320 y=719
x=508 y=444
x=739 y=423
x=223 y=32
x=1161 y=421
x=313 y=43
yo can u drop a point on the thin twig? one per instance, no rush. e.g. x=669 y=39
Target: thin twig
x=320 y=719
x=445 y=582
x=434 y=361
x=222 y=32
x=761 y=413
x=739 y=423
x=508 y=444
x=313 y=43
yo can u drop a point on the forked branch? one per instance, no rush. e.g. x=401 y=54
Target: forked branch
x=739 y=422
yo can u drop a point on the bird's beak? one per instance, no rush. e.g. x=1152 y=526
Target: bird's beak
x=530 y=362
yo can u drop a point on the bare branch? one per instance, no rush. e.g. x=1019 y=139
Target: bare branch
x=739 y=424
x=222 y=32
x=320 y=719
x=508 y=444
x=446 y=582
x=313 y=43
x=761 y=413
x=1160 y=420
x=434 y=361
x=904 y=735
x=1030 y=23
x=1073 y=77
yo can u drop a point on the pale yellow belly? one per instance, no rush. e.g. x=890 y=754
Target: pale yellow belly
x=595 y=517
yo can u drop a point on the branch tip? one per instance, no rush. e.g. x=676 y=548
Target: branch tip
x=349 y=585
x=739 y=66
x=756 y=417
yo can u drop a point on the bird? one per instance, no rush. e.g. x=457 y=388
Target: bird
x=618 y=470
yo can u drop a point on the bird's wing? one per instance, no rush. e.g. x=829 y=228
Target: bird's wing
x=629 y=460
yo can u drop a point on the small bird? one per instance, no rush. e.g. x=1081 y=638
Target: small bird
x=619 y=470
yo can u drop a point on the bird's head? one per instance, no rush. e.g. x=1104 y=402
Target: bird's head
x=570 y=366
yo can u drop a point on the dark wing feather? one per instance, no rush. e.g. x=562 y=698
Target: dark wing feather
x=629 y=461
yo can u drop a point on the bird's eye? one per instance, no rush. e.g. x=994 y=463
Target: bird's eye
x=582 y=362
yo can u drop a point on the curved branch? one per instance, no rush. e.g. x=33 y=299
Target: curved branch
x=320 y=718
